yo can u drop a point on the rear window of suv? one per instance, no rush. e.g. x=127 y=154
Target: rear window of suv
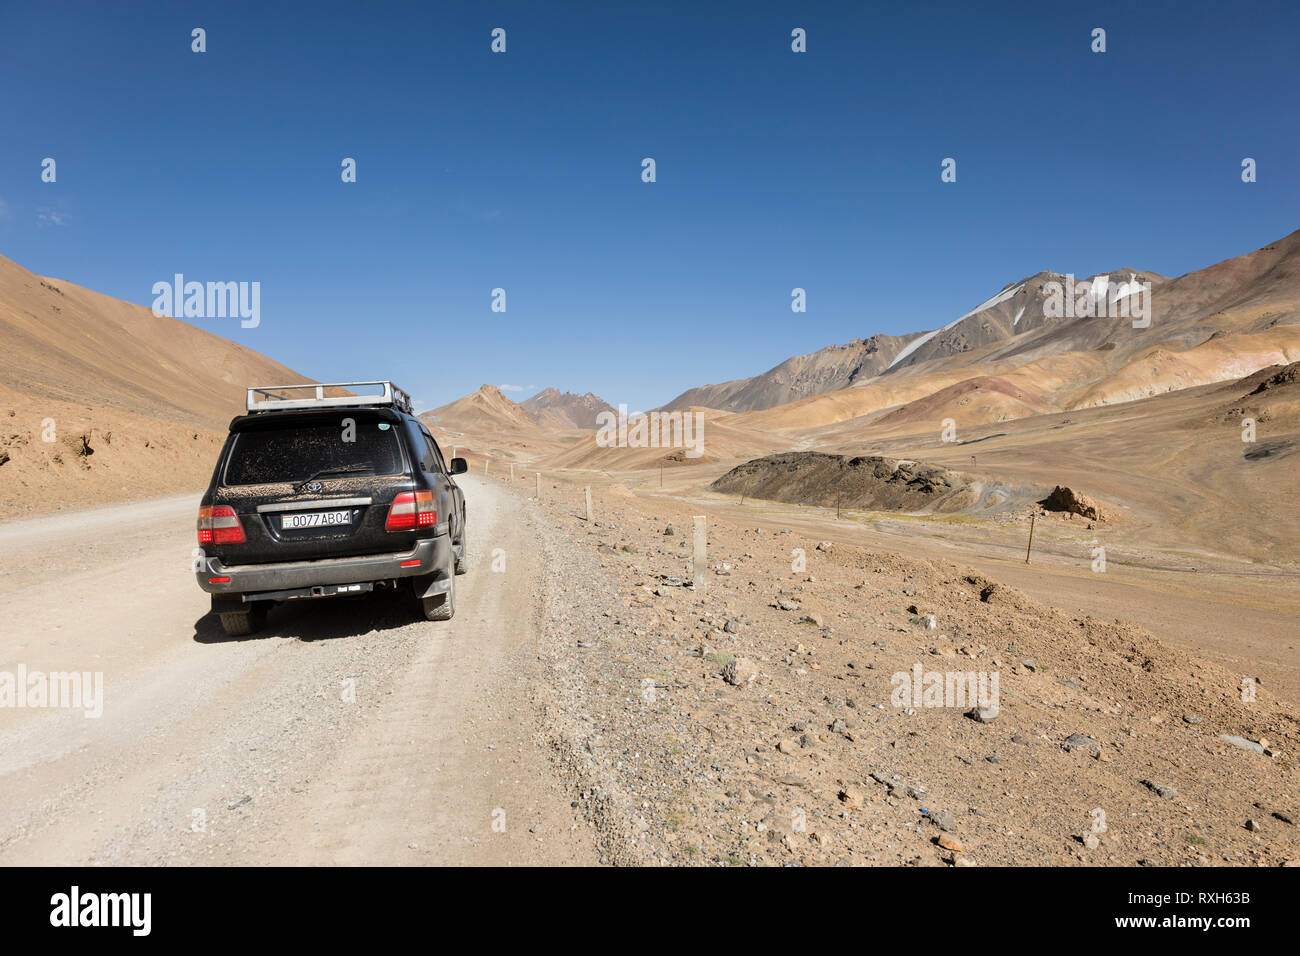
x=299 y=451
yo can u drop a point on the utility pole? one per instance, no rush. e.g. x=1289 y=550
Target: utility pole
x=1031 y=537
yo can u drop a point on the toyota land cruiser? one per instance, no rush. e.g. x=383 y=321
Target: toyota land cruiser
x=326 y=490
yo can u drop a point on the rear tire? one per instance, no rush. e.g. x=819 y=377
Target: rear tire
x=243 y=623
x=441 y=607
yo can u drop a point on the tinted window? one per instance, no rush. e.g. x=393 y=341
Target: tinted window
x=420 y=448
x=435 y=452
x=297 y=452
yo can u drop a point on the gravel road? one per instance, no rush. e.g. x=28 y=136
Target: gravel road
x=348 y=731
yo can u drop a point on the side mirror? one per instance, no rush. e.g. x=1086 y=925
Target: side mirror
x=459 y=466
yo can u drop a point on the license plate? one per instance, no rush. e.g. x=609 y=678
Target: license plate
x=314 y=519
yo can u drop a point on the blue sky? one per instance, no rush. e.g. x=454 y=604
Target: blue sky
x=522 y=170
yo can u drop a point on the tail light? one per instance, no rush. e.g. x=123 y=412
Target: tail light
x=411 y=510
x=220 y=525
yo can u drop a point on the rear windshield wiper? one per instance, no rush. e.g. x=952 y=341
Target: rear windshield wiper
x=345 y=470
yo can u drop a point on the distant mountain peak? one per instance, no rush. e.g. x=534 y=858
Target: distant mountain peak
x=565 y=410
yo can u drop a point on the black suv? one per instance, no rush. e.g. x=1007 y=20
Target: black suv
x=336 y=492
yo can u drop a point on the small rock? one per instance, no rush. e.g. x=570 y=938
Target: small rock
x=1161 y=789
x=739 y=672
x=1243 y=743
x=1253 y=826
x=948 y=843
x=1080 y=742
x=1091 y=841
x=982 y=715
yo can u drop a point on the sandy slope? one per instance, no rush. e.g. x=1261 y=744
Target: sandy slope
x=101 y=400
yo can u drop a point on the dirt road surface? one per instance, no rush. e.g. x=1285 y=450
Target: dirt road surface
x=249 y=751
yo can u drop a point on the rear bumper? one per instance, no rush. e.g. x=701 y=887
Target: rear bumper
x=429 y=557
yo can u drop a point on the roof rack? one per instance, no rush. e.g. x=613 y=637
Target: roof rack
x=283 y=398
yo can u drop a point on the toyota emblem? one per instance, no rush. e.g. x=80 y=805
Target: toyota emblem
x=313 y=486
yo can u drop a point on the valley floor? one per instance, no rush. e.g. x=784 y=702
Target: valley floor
x=587 y=706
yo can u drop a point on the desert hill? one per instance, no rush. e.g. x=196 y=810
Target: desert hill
x=132 y=404
x=486 y=408
x=719 y=440
x=69 y=344
x=485 y=426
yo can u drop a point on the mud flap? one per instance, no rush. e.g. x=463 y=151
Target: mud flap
x=431 y=584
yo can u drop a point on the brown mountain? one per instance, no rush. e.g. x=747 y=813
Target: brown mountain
x=69 y=344
x=102 y=400
x=485 y=409
x=837 y=366
x=1244 y=296
x=565 y=410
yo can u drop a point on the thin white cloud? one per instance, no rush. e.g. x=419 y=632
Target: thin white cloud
x=517 y=388
x=49 y=217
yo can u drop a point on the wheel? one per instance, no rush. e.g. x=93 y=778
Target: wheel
x=441 y=607
x=242 y=623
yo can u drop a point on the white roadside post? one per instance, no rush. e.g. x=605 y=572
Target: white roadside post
x=701 y=554
x=589 y=502
x=486 y=463
x=512 y=471
x=539 y=486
